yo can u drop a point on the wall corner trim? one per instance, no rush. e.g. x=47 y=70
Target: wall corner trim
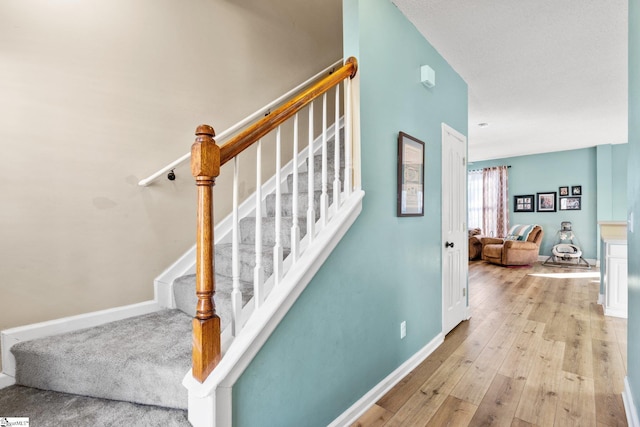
x=629 y=405
x=356 y=410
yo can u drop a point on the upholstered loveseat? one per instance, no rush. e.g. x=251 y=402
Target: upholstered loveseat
x=520 y=247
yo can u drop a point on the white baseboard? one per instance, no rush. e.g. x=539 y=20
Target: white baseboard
x=356 y=410
x=629 y=405
x=10 y=337
x=6 y=380
x=613 y=312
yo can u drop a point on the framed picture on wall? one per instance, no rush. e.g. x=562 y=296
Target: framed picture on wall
x=576 y=190
x=410 y=198
x=546 y=201
x=570 y=204
x=563 y=191
x=524 y=203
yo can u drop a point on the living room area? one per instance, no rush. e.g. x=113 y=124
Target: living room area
x=584 y=187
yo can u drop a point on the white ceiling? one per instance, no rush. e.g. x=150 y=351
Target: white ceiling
x=547 y=75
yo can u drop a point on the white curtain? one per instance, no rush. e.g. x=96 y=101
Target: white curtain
x=474 y=204
x=488 y=200
x=495 y=202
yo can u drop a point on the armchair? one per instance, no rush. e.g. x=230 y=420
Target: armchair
x=513 y=252
x=475 y=244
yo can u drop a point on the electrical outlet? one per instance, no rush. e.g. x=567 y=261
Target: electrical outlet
x=403 y=329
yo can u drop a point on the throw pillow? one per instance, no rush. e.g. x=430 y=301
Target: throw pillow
x=520 y=232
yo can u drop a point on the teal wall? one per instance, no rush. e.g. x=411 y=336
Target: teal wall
x=612 y=182
x=342 y=335
x=604 y=182
x=633 y=194
x=619 y=161
x=546 y=172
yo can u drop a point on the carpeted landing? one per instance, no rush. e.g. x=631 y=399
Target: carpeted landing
x=142 y=359
x=50 y=408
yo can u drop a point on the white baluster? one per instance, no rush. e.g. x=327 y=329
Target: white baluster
x=277 y=248
x=348 y=142
x=295 y=227
x=324 y=197
x=258 y=271
x=236 y=295
x=336 y=154
x=311 y=210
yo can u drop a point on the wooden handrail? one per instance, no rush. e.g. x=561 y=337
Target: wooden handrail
x=206 y=160
x=251 y=134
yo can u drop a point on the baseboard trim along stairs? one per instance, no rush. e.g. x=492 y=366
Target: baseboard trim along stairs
x=629 y=405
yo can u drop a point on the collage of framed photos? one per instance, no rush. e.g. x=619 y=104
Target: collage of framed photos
x=570 y=200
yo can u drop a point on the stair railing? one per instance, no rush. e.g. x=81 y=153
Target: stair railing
x=206 y=160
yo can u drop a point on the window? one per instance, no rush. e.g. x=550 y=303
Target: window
x=474 y=204
x=487 y=200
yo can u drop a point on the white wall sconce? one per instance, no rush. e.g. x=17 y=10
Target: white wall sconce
x=427 y=76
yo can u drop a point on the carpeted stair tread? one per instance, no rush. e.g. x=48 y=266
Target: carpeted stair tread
x=248 y=230
x=142 y=359
x=247 y=257
x=46 y=408
x=303 y=203
x=303 y=180
x=331 y=144
x=184 y=292
x=317 y=162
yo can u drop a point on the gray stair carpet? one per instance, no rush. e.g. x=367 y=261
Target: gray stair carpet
x=142 y=359
x=46 y=408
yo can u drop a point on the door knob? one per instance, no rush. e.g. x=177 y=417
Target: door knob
x=448 y=244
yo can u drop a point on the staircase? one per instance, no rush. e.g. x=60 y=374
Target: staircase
x=130 y=371
x=184 y=287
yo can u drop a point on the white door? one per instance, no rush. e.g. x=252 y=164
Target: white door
x=454 y=229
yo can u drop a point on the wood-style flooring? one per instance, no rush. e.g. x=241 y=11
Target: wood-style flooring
x=537 y=351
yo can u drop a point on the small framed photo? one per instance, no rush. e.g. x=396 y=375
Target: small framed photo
x=563 y=191
x=524 y=203
x=410 y=176
x=570 y=204
x=546 y=201
x=576 y=190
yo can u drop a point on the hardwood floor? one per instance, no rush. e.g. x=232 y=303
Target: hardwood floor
x=537 y=351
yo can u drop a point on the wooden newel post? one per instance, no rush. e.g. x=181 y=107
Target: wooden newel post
x=205 y=167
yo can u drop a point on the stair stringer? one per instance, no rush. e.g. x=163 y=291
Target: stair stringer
x=210 y=403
